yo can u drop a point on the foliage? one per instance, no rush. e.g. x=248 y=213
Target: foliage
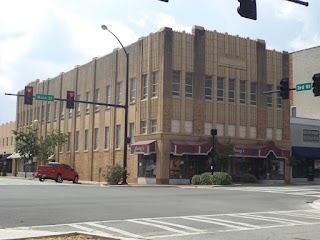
x=196 y=180
x=114 y=174
x=4 y=171
x=28 y=145
x=206 y=178
x=245 y=178
x=221 y=178
x=222 y=155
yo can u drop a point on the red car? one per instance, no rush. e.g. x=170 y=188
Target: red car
x=58 y=172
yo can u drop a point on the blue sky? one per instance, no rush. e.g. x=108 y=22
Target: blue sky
x=41 y=38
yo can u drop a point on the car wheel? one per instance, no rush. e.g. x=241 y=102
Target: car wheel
x=59 y=179
x=76 y=179
x=41 y=179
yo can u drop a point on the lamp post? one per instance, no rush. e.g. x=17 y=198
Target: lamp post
x=125 y=135
x=213 y=133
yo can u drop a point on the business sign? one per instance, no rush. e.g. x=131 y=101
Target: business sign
x=310 y=135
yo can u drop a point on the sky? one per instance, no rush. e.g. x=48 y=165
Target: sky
x=39 y=39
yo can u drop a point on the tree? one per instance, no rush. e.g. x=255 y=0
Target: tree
x=222 y=155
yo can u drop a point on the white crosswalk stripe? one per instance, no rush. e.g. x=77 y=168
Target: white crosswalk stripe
x=191 y=226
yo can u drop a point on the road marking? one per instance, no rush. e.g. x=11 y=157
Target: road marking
x=200 y=219
x=282 y=220
x=232 y=222
x=175 y=225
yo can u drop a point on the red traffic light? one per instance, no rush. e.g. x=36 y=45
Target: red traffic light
x=70 y=99
x=28 y=95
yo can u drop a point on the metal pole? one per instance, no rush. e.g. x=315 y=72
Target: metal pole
x=213 y=133
x=299 y=2
x=125 y=135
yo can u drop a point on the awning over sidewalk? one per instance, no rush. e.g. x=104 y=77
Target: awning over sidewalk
x=200 y=147
x=306 y=152
x=146 y=147
x=14 y=156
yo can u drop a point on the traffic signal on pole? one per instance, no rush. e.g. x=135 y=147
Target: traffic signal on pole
x=284 y=88
x=248 y=9
x=316 y=84
x=70 y=99
x=28 y=95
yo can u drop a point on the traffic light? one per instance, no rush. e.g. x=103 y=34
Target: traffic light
x=284 y=88
x=248 y=9
x=164 y=0
x=28 y=95
x=70 y=99
x=316 y=84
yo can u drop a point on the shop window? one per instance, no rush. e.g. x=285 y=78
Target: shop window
x=186 y=166
x=147 y=166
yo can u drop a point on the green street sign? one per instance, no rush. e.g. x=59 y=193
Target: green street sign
x=44 y=97
x=303 y=87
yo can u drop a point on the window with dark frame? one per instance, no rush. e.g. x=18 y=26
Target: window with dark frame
x=208 y=88
x=220 y=89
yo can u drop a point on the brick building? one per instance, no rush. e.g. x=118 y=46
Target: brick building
x=7 y=143
x=181 y=86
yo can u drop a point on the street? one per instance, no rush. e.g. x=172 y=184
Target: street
x=244 y=212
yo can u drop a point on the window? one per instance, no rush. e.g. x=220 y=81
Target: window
x=243 y=86
x=96 y=98
x=106 y=138
x=132 y=90
x=11 y=140
x=231 y=94
x=42 y=114
x=208 y=88
x=55 y=111
x=86 y=135
x=70 y=112
x=96 y=139
x=119 y=93
x=207 y=128
x=87 y=99
x=78 y=105
x=143 y=127
x=108 y=95
x=175 y=126
x=269 y=96
x=144 y=86
x=155 y=78
x=131 y=132
x=243 y=131
x=188 y=127
x=153 y=126
x=253 y=132
x=269 y=133
x=77 y=141
x=69 y=142
x=118 y=136
x=48 y=112
x=220 y=130
x=253 y=93
x=231 y=130
x=188 y=85
x=279 y=98
x=293 y=111
x=220 y=88
x=176 y=83
x=279 y=135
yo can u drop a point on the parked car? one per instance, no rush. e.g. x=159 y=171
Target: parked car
x=58 y=172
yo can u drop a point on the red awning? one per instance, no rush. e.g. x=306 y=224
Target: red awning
x=146 y=147
x=261 y=149
x=201 y=147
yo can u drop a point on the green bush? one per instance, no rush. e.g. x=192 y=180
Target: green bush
x=4 y=171
x=114 y=174
x=221 y=178
x=196 y=180
x=206 y=178
x=245 y=178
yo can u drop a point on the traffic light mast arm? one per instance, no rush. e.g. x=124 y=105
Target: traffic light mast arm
x=299 y=2
x=275 y=91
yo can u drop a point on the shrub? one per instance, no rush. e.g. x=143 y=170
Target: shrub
x=196 y=180
x=114 y=174
x=206 y=178
x=4 y=171
x=244 y=177
x=221 y=178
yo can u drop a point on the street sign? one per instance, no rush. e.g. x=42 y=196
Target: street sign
x=303 y=87
x=45 y=97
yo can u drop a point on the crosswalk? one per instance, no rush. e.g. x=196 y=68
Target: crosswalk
x=311 y=191
x=191 y=226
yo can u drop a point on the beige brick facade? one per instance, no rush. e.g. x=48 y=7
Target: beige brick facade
x=197 y=56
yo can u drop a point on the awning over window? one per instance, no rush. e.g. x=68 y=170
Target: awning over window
x=14 y=156
x=261 y=149
x=306 y=152
x=146 y=147
x=200 y=147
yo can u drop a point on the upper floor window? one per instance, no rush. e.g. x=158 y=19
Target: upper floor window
x=143 y=127
x=188 y=85
x=231 y=93
x=269 y=96
x=279 y=98
x=118 y=137
x=87 y=99
x=78 y=105
x=77 y=141
x=176 y=83
x=132 y=89
x=55 y=110
x=86 y=138
x=220 y=88
x=96 y=139
x=119 y=93
x=108 y=95
x=155 y=79
x=97 y=98
x=208 y=88
x=253 y=93
x=106 y=138
x=144 y=86
x=131 y=132
x=153 y=126
x=243 y=87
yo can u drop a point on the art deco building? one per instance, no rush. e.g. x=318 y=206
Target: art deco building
x=181 y=86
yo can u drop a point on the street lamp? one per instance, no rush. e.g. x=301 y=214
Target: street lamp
x=213 y=133
x=125 y=139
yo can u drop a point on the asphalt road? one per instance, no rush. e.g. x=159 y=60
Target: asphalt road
x=165 y=212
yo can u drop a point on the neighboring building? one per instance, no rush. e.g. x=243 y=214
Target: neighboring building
x=180 y=87
x=305 y=115
x=7 y=146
